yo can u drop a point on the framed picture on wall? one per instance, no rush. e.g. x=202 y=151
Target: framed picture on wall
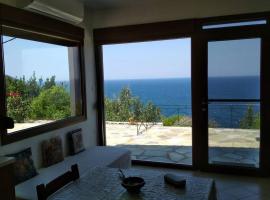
x=75 y=139
x=52 y=151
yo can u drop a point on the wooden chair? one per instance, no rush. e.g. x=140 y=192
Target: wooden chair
x=44 y=191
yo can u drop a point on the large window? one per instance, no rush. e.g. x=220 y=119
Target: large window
x=40 y=82
x=43 y=81
x=148 y=99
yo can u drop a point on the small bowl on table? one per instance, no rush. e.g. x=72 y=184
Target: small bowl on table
x=133 y=184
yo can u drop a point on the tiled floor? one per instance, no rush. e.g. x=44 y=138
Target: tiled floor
x=230 y=187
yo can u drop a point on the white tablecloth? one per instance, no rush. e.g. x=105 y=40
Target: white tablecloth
x=104 y=183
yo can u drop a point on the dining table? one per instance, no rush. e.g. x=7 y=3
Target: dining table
x=103 y=183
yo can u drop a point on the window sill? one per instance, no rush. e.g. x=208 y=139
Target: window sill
x=38 y=130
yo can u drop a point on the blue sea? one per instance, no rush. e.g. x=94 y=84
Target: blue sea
x=173 y=96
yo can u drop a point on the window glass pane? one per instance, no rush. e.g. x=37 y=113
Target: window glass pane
x=148 y=99
x=234 y=133
x=40 y=82
x=234 y=69
x=233 y=120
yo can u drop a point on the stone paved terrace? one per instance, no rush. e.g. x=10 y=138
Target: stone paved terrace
x=173 y=144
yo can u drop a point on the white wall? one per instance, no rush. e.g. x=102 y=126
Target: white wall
x=89 y=128
x=166 y=10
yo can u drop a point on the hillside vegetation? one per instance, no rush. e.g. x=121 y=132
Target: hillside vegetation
x=34 y=99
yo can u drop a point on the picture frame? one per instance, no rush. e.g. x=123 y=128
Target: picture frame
x=52 y=151
x=75 y=140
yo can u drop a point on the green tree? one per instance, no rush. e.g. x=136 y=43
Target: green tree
x=33 y=87
x=16 y=85
x=17 y=98
x=17 y=108
x=33 y=99
x=125 y=103
x=257 y=122
x=49 y=83
x=52 y=103
x=137 y=109
x=250 y=119
x=150 y=113
x=127 y=107
x=112 y=110
x=26 y=88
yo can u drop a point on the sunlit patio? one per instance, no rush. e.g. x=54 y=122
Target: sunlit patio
x=173 y=144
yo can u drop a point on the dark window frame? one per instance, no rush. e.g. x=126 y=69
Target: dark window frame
x=235 y=34
x=193 y=28
x=140 y=33
x=28 y=25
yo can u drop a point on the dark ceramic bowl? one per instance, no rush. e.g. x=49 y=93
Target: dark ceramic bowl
x=133 y=184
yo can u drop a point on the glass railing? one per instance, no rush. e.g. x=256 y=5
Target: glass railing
x=234 y=133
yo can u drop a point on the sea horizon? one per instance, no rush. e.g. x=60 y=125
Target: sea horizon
x=173 y=95
x=162 y=78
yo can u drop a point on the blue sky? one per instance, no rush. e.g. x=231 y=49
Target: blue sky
x=234 y=58
x=142 y=60
x=147 y=60
x=172 y=59
x=23 y=57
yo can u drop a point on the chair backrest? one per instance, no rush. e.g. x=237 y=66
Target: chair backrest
x=44 y=191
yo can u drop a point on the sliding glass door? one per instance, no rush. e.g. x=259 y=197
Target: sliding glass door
x=234 y=102
x=231 y=102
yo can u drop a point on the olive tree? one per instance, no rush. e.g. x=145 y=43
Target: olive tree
x=126 y=107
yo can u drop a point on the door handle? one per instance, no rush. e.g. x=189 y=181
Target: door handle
x=204 y=106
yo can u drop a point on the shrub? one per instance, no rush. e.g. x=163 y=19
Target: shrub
x=250 y=120
x=150 y=113
x=172 y=120
x=111 y=110
x=52 y=103
x=17 y=108
x=256 y=123
x=33 y=99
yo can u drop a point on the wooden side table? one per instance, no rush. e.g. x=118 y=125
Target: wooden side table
x=7 y=188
